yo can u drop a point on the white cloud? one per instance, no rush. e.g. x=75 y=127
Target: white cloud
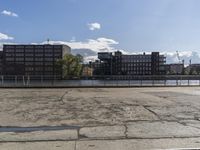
x=5 y=37
x=97 y=45
x=1 y=46
x=101 y=44
x=9 y=13
x=94 y=26
x=91 y=47
x=184 y=55
x=90 y=58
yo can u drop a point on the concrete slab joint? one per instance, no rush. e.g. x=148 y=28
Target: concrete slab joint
x=103 y=132
x=61 y=135
x=162 y=129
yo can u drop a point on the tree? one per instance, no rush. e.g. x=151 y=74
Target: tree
x=186 y=72
x=70 y=65
x=194 y=72
x=80 y=57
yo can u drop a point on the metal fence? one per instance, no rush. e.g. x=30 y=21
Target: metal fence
x=139 y=81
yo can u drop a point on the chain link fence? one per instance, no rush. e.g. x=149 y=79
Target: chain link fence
x=97 y=81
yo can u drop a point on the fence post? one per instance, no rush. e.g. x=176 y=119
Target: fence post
x=15 y=80
x=41 y=79
x=188 y=82
x=52 y=80
x=23 y=80
x=28 y=80
x=2 y=80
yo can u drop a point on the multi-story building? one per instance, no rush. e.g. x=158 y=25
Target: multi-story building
x=174 y=69
x=193 y=69
x=34 y=60
x=119 y=64
x=1 y=62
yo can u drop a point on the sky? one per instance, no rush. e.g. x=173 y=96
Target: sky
x=128 y=25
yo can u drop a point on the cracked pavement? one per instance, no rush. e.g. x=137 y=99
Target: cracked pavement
x=97 y=118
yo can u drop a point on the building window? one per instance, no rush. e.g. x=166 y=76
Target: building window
x=19 y=50
x=20 y=59
x=10 y=59
x=38 y=54
x=39 y=59
x=19 y=54
x=29 y=58
x=10 y=50
x=39 y=63
x=49 y=54
x=39 y=50
x=48 y=59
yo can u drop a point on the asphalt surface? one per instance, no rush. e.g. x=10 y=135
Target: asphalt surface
x=100 y=118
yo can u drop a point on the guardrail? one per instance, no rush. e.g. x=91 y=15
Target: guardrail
x=150 y=81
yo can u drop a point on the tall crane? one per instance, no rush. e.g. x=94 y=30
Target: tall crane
x=178 y=56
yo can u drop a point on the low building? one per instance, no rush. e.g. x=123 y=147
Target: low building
x=87 y=71
x=175 y=69
x=194 y=69
x=36 y=61
x=1 y=62
x=120 y=64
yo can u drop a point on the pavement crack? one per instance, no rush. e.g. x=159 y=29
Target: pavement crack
x=152 y=112
x=126 y=131
x=75 y=145
x=61 y=99
x=188 y=125
x=82 y=136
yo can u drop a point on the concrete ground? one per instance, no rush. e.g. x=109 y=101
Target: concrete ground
x=100 y=118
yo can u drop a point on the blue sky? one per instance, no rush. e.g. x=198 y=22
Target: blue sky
x=133 y=25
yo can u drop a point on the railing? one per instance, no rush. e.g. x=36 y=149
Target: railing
x=97 y=81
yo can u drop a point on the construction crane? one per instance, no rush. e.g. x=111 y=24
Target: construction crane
x=178 y=56
x=190 y=61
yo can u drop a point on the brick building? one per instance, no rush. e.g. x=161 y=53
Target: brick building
x=119 y=64
x=34 y=60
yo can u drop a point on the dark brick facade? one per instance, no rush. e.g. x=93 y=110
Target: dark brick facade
x=119 y=64
x=33 y=60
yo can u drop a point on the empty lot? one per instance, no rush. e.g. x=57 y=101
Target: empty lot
x=99 y=116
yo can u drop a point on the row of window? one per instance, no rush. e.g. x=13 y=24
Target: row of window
x=34 y=63
x=32 y=55
x=138 y=73
x=136 y=57
x=39 y=69
x=31 y=59
x=137 y=64
x=135 y=69
x=136 y=61
x=32 y=46
x=28 y=50
x=42 y=74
